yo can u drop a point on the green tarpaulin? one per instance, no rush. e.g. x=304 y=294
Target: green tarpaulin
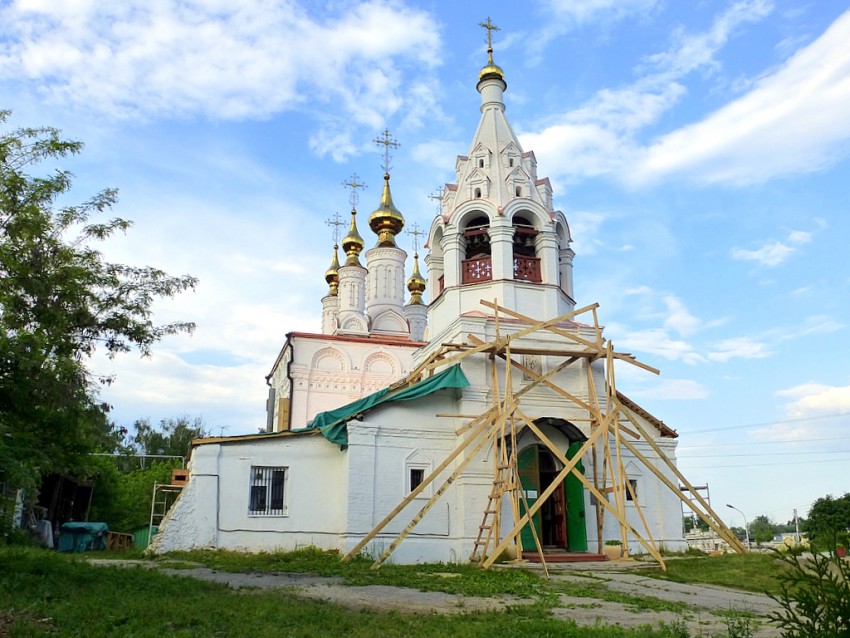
x=82 y=536
x=332 y=424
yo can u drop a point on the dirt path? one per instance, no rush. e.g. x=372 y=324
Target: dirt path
x=707 y=606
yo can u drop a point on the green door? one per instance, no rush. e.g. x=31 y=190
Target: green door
x=576 y=521
x=529 y=476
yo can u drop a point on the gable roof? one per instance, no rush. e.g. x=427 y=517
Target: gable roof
x=665 y=430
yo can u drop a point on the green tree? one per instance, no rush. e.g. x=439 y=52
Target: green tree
x=828 y=522
x=60 y=300
x=123 y=499
x=171 y=438
x=762 y=529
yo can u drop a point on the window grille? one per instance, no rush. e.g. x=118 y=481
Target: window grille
x=417 y=475
x=266 y=497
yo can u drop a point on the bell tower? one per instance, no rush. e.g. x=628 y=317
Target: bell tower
x=496 y=235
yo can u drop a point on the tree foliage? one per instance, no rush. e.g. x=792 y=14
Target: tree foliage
x=762 y=529
x=828 y=523
x=815 y=597
x=60 y=300
x=172 y=438
x=123 y=499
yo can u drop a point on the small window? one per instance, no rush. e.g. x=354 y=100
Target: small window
x=477 y=193
x=481 y=163
x=633 y=483
x=267 y=491
x=511 y=161
x=518 y=191
x=417 y=475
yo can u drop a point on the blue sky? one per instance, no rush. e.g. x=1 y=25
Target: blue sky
x=699 y=151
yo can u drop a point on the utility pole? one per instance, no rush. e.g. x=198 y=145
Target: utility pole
x=796 y=526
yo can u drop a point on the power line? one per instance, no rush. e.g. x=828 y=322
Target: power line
x=761 y=425
x=749 y=465
x=749 y=443
x=716 y=456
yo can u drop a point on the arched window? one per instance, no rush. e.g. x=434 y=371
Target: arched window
x=526 y=261
x=477 y=265
x=477 y=193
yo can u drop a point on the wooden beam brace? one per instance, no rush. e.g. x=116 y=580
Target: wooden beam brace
x=545 y=495
x=550 y=328
x=476 y=433
x=563 y=459
x=489 y=438
x=709 y=517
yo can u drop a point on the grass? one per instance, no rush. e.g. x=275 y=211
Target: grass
x=749 y=572
x=43 y=594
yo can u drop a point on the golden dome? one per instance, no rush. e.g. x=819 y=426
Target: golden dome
x=332 y=273
x=386 y=222
x=416 y=284
x=353 y=242
x=492 y=70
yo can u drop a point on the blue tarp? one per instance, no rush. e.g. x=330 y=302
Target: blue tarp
x=332 y=424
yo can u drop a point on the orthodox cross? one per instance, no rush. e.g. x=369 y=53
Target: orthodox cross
x=415 y=233
x=387 y=142
x=336 y=222
x=354 y=184
x=490 y=28
x=438 y=196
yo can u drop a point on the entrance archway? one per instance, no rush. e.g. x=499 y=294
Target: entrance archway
x=560 y=522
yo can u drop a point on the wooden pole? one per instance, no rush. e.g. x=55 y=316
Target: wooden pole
x=491 y=435
x=600 y=497
x=721 y=530
x=476 y=432
x=545 y=495
x=498 y=345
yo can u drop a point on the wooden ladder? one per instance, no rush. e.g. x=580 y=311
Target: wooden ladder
x=494 y=501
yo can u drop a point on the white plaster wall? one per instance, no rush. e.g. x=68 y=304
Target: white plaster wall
x=328 y=373
x=213 y=509
x=192 y=521
x=380 y=450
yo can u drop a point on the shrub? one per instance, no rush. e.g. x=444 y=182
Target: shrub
x=815 y=597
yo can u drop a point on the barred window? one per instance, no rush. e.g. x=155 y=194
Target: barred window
x=267 y=493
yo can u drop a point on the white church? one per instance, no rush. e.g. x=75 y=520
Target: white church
x=366 y=428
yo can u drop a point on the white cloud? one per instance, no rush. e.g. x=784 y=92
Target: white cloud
x=812 y=399
x=674 y=389
x=164 y=385
x=581 y=11
x=771 y=254
x=678 y=318
x=692 y=51
x=585 y=229
x=600 y=136
x=219 y=59
x=775 y=252
x=795 y=120
x=738 y=347
x=657 y=341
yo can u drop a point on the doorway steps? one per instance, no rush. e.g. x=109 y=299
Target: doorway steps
x=563 y=556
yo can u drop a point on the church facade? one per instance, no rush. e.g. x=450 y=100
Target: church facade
x=364 y=427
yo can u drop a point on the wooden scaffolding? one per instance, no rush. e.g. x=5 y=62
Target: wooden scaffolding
x=613 y=430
